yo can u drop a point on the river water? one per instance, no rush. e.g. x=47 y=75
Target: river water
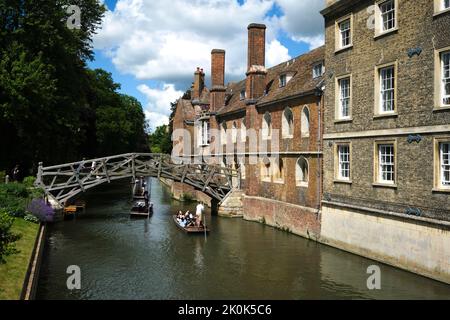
x=121 y=258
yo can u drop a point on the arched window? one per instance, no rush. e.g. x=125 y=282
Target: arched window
x=265 y=169
x=234 y=132
x=288 y=123
x=223 y=133
x=302 y=172
x=267 y=126
x=243 y=130
x=242 y=167
x=278 y=175
x=305 y=121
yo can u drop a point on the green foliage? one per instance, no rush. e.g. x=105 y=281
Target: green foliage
x=7 y=238
x=31 y=218
x=14 y=198
x=160 y=141
x=52 y=107
x=2 y=177
x=29 y=182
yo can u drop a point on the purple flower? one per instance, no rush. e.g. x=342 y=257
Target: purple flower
x=41 y=210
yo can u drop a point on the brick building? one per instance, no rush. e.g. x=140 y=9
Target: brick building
x=363 y=149
x=283 y=186
x=387 y=132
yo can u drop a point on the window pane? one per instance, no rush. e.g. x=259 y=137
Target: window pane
x=345 y=33
x=445 y=163
x=446 y=4
x=344 y=162
x=387 y=84
x=386 y=163
x=344 y=85
x=445 y=57
x=387 y=10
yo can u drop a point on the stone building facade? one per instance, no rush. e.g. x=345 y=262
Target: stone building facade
x=387 y=132
x=363 y=148
x=278 y=107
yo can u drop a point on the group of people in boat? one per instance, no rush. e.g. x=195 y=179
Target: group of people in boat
x=188 y=219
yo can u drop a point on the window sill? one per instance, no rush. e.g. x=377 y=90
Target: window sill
x=305 y=136
x=438 y=13
x=278 y=181
x=385 y=33
x=384 y=185
x=441 y=190
x=342 y=181
x=386 y=115
x=441 y=108
x=266 y=180
x=339 y=50
x=288 y=137
x=344 y=120
x=302 y=185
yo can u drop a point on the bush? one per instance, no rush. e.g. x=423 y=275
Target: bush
x=2 y=177
x=13 y=199
x=31 y=218
x=29 y=182
x=7 y=238
x=41 y=210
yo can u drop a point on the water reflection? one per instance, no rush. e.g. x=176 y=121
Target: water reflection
x=122 y=258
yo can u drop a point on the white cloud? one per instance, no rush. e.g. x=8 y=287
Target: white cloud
x=302 y=20
x=157 y=109
x=276 y=53
x=165 y=42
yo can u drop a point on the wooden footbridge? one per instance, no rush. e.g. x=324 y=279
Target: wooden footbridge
x=64 y=182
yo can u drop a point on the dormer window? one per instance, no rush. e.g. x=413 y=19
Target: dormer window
x=283 y=80
x=242 y=95
x=318 y=70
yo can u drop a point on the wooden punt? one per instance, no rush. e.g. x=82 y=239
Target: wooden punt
x=190 y=229
x=141 y=209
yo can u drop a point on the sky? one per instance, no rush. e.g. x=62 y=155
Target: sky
x=153 y=47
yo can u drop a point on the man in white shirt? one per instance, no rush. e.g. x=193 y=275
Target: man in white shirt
x=199 y=214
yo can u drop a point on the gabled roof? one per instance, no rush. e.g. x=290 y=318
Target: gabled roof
x=302 y=81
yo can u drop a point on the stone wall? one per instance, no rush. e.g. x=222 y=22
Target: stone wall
x=299 y=220
x=414 y=245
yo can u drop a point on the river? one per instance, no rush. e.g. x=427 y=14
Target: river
x=122 y=258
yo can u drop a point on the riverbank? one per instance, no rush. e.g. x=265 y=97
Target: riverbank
x=13 y=273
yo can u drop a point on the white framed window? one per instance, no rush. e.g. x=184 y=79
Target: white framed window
x=441 y=6
x=345 y=36
x=386 y=86
x=305 y=122
x=266 y=169
x=234 y=132
x=302 y=172
x=344 y=98
x=242 y=168
x=242 y=95
x=288 y=123
x=223 y=133
x=444 y=155
x=446 y=4
x=204 y=133
x=442 y=164
x=445 y=78
x=385 y=16
x=385 y=163
x=267 y=126
x=279 y=173
x=283 y=80
x=318 y=70
x=243 y=130
x=343 y=157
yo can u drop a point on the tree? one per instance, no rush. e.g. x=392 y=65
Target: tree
x=161 y=140
x=7 y=238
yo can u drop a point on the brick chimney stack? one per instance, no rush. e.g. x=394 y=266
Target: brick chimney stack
x=256 y=61
x=199 y=84
x=217 y=79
